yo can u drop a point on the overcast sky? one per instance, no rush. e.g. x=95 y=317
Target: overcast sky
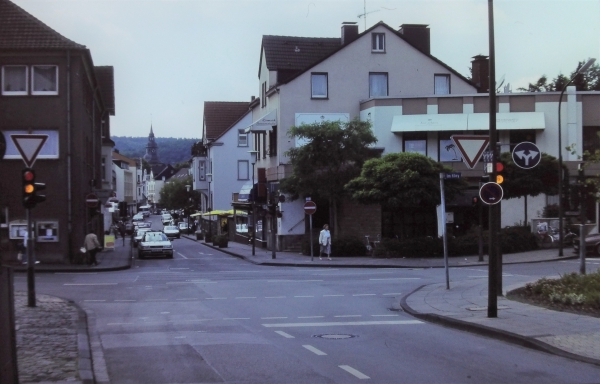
x=172 y=55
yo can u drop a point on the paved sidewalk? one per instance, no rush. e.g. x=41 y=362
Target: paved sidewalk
x=463 y=306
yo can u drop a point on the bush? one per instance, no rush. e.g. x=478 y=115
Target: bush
x=348 y=246
x=208 y=238
x=220 y=241
x=517 y=239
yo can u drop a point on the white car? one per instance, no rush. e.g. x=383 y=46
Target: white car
x=155 y=243
x=138 y=217
x=166 y=218
x=172 y=231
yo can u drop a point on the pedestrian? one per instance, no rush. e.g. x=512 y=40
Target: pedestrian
x=325 y=242
x=122 y=231
x=92 y=246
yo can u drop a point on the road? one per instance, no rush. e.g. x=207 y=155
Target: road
x=209 y=317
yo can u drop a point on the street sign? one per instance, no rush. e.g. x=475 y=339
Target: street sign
x=91 y=200
x=452 y=175
x=491 y=193
x=29 y=146
x=471 y=147
x=310 y=207
x=526 y=155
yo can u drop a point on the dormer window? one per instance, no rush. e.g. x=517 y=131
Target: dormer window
x=441 y=84
x=378 y=42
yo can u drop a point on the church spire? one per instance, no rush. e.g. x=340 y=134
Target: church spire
x=151 y=155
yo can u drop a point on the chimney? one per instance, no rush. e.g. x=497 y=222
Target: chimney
x=417 y=35
x=349 y=32
x=480 y=73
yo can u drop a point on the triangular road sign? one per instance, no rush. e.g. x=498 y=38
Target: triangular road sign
x=471 y=147
x=29 y=146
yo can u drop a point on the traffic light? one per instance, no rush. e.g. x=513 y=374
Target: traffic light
x=499 y=176
x=31 y=189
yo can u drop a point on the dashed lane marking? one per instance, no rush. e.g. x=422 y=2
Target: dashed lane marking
x=347 y=316
x=364 y=294
x=180 y=254
x=292 y=281
x=354 y=372
x=395 y=278
x=90 y=284
x=284 y=334
x=315 y=350
x=340 y=323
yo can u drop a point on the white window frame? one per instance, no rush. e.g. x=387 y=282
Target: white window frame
x=15 y=93
x=314 y=88
x=242 y=138
x=243 y=167
x=43 y=93
x=376 y=75
x=441 y=84
x=378 y=42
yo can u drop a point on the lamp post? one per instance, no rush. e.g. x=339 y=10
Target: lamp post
x=209 y=208
x=583 y=69
x=187 y=188
x=254 y=157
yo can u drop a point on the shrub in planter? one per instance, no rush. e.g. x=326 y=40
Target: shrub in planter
x=221 y=241
x=419 y=247
x=199 y=235
x=208 y=238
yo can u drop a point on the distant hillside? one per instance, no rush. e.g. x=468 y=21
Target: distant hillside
x=170 y=150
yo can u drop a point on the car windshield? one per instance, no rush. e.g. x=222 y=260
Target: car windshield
x=155 y=236
x=170 y=228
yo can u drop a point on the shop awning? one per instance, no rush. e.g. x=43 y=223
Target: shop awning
x=467 y=122
x=195 y=214
x=264 y=124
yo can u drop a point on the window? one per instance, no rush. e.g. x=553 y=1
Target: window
x=415 y=142
x=441 y=84
x=378 y=84
x=14 y=80
x=273 y=142
x=378 y=42
x=263 y=95
x=243 y=170
x=242 y=138
x=44 y=80
x=319 y=85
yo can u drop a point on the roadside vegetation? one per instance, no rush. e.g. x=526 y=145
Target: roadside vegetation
x=570 y=293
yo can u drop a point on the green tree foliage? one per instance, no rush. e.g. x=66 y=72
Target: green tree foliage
x=589 y=81
x=403 y=180
x=333 y=155
x=170 y=150
x=519 y=182
x=174 y=195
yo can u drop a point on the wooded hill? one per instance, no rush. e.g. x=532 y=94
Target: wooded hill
x=170 y=150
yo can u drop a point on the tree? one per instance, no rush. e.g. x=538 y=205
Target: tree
x=589 y=81
x=403 y=180
x=333 y=155
x=519 y=182
x=174 y=195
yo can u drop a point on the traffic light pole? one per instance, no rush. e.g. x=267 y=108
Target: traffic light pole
x=30 y=263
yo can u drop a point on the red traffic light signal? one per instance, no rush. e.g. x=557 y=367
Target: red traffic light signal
x=31 y=188
x=499 y=168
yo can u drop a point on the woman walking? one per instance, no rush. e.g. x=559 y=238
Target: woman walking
x=325 y=242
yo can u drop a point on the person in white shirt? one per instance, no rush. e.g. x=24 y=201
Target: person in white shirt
x=325 y=242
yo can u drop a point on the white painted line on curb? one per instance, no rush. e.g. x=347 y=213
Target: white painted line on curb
x=354 y=372
x=286 y=335
x=292 y=281
x=315 y=350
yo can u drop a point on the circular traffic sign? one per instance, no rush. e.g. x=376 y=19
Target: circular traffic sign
x=526 y=155
x=91 y=200
x=491 y=193
x=310 y=207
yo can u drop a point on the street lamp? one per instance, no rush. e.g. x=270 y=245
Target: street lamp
x=583 y=69
x=187 y=188
x=209 y=208
x=254 y=157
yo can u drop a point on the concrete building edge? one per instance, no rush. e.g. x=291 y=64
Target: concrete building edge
x=493 y=333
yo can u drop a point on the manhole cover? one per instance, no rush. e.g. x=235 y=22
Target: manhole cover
x=335 y=336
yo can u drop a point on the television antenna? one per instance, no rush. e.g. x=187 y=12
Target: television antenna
x=365 y=13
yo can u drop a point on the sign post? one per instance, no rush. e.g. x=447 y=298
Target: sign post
x=310 y=207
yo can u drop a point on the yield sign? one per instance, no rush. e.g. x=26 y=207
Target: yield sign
x=29 y=146
x=471 y=147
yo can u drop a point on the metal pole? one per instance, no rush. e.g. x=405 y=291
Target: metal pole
x=582 y=219
x=310 y=237
x=30 y=263
x=274 y=230
x=560 y=178
x=492 y=270
x=253 y=215
x=443 y=219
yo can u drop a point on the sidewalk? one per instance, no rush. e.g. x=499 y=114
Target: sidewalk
x=463 y=306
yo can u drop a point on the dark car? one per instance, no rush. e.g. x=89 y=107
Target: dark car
x=592 y=244
x=155 y=243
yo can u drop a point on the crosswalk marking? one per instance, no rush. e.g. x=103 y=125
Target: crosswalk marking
x=284 y=334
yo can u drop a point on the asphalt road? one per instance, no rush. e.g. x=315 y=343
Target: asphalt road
x=208 y=317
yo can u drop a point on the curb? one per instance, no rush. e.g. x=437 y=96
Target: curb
x=493 y=333
x=84 y=363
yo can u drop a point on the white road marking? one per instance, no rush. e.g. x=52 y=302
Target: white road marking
x=364 y=294
x=331 y=324
x=156 y=300
x=275 y=317
x=90 y=284
x=75 y=273
x=396 y=278
x=286 y=335
x=348 y=316
x=246 y=297
x=240 y=271
x=236 y=318
x=333 y=295
x=303 y=296
x=172 y=269
x=187 y=299
x=124 y=300
x=216 y=298
x=275 y=297
x=315 y=350
x=392 y=294
x=310 y=317
x=354 y=372
x=95 y=300
x=384 y=315
x=180 y=337
x=291 y=281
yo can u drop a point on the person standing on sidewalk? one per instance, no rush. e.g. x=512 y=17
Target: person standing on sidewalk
x=92 y=246
x=122 y=231
x=325 y=242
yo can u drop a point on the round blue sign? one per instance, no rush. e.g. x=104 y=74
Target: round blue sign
x=491 y=193
x=526 y=155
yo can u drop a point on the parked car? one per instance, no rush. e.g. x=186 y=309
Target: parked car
x=592 y=244
x=166 y=218
x=155 y=243
x=138 y=217
x=183 y=227
x=172 y=231
x=144 y=224
x=139 y=233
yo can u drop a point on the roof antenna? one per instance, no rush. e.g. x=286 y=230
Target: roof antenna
x=365 y=13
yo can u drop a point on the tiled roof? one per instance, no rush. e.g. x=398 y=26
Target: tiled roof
x=106 y=81
x=20 y=30
x=220 y=115
x=295 y=54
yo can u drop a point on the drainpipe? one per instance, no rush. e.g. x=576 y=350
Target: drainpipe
x=69 y=159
